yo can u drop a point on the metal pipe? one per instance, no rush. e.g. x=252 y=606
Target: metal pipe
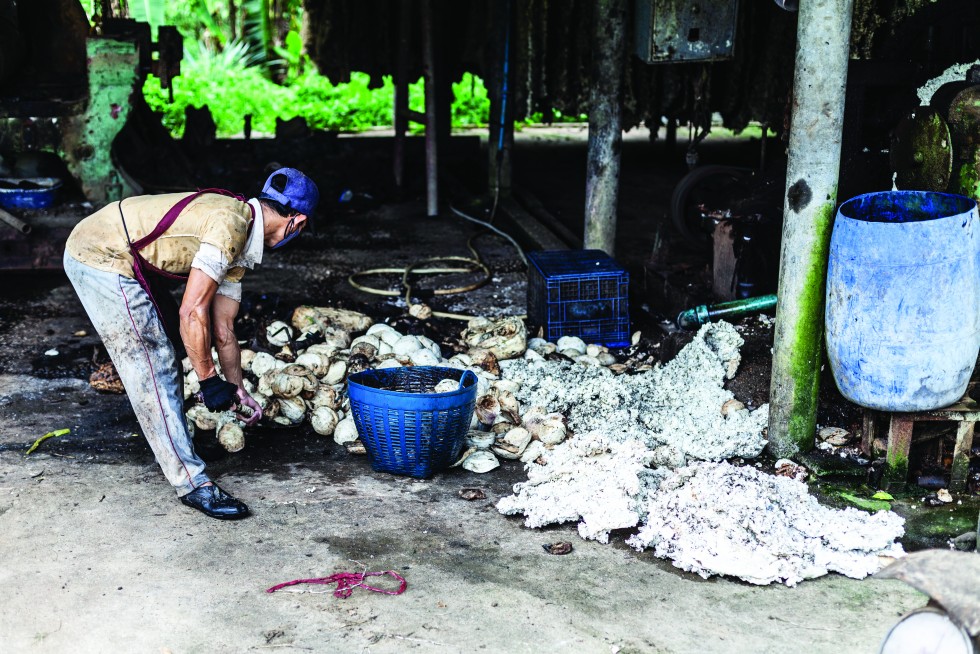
x=401 y=91
x=501 y=127
x=605 y=124
x=431 y=121
x=15 y=222
x=823 y=30
x=705 y=313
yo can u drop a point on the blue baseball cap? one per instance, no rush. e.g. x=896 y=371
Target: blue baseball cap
x=292 y=189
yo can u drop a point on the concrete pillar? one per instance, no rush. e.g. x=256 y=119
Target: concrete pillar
x=823 y=30
x=605 y=124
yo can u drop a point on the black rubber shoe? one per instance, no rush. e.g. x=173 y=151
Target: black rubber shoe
x=215 y=503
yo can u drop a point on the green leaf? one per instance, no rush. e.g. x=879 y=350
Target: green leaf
x=867 y=505
x=882 y=495
x=294 y=43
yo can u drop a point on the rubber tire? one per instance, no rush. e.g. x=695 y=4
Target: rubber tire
x=682 y=192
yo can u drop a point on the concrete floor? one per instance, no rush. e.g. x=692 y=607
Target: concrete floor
x=98 y=556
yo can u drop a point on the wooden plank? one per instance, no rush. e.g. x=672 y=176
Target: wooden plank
x=869 y=431
x=527 y=229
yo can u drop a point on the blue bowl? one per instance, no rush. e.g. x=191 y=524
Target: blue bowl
x=28 y=192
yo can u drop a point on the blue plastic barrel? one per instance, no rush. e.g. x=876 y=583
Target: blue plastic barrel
x=903 y=299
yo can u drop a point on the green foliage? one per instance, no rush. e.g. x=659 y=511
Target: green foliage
x=232 y=86
x=342 y=107
x=292 y=54
x=258 y=27
x=246 y=57
x=554 y=116
x=226 y=83
x=471 y=105
x=201 y=21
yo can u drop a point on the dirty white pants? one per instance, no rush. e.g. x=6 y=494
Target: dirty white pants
x=132 y=333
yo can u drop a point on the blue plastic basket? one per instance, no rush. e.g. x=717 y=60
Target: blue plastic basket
x=406 y=427
x=582 y=293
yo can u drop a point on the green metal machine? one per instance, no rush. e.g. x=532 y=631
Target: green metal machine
x=67 y=90
x=937 y=147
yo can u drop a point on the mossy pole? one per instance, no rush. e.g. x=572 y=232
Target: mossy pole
x=605 y=124
x=823 y=31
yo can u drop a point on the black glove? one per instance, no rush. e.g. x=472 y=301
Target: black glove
x=218 y=394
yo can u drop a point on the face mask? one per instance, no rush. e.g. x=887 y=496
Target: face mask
x=288 y=237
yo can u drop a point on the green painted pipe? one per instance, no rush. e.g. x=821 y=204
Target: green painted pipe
x=700 y=315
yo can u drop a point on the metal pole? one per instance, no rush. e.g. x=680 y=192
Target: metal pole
x=823 y=30
x=605 y=124
x=501 y=128
x=401 y=91
x=431 y=120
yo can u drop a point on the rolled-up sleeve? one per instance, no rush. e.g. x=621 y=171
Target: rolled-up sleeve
x=232 y=290
x=211 y=261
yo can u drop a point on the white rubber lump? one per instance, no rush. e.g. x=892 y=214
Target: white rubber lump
x=644 y=453
x=715 y=518
x=676 y=407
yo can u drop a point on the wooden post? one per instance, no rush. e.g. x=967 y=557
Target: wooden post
x=823 y=29
x=400 y=117
x=900 y=430
x=501 y=132
x=431 y=110
x=961 y=456
x=605 y=124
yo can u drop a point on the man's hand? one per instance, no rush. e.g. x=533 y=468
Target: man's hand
x=245 y=401
x=218 y=395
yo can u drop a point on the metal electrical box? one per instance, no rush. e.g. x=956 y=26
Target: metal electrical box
x=684 y=30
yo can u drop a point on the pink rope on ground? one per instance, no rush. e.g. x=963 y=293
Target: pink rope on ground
x=347 y=582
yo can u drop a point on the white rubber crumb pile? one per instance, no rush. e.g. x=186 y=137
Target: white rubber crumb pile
x=632 y=431
x=675 y=409
x=715 y=518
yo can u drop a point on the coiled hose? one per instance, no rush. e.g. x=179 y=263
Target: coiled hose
x=473 y=265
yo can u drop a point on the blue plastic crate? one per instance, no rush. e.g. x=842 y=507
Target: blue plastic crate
x=580 y=293
x=406 y=427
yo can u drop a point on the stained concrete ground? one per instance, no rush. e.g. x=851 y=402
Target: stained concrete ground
x=98 y=556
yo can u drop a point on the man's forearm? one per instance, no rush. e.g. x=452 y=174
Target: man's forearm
x=230 y=356
x=195 y=331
